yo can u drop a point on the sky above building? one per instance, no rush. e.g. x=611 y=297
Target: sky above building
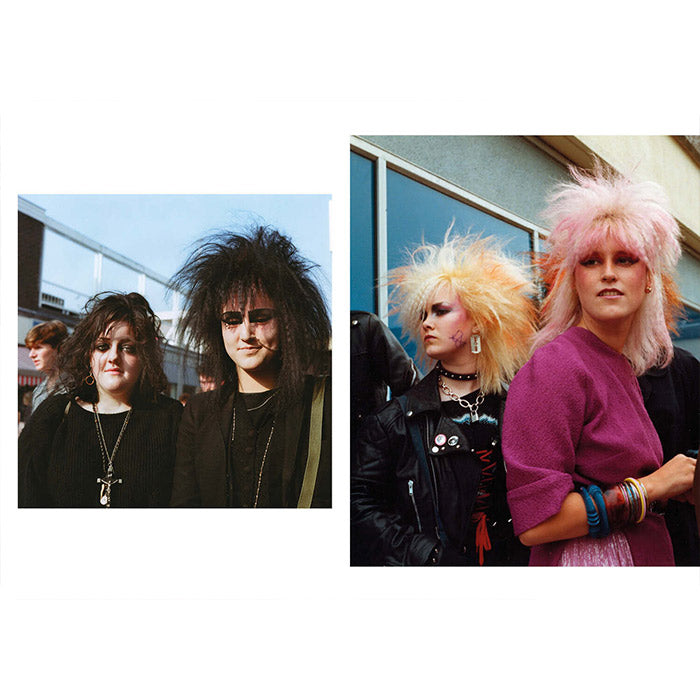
x=159 y=231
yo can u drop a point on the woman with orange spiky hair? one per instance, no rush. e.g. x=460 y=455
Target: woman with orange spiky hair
x=428 y=482
x=584 y=460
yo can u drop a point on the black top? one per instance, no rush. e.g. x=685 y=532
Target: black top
x=212 y=473
x=256 y=451
x=60 y=459
x=377 y=361
x=482 y=436
x=672 y=399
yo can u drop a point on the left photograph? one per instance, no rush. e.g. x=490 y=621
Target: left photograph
x=174 y=350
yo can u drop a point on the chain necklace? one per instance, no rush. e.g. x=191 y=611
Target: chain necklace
x=269 y=398
x=108 y=480
x=462 y=401
x=262 y=464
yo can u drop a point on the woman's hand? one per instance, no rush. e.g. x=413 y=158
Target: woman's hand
x=671 y=479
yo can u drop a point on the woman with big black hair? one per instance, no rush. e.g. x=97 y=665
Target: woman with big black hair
x=109 y=441
x=261 y=438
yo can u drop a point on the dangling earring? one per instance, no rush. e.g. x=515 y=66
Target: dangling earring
x=89 y=380
x=647 y=289
x=475 y=341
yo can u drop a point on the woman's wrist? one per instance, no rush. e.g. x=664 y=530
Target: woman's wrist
x=626 y=503
x=649 y=483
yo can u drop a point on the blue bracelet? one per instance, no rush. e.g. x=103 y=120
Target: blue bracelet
x=597 y=495
x=591 y=513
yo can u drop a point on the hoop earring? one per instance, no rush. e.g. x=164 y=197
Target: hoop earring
x=88 y=378
x=475 y=341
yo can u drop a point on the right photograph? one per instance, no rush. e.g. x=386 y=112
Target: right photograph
x=525 y=335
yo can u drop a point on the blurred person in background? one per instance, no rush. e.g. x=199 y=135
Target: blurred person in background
x=44 y=342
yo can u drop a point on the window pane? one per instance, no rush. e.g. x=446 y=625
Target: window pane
x=67 y=273
x=362 y=234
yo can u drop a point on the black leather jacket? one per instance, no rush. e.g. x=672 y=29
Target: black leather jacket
x=393 y=504
x=377 y=361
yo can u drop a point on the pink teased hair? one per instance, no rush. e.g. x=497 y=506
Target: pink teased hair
x=583 y=213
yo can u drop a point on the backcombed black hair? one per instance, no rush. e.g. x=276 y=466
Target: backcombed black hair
x=261 y=260
x=101 y=312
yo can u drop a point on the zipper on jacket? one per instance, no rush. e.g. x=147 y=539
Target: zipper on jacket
x=436 y=501
x=415 y=507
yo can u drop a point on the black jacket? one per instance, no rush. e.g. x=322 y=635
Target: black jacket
x=377 y=361
x=202 y=465
x=672 y=399
x=393 y=508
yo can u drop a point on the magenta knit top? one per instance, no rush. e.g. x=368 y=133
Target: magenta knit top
x=574 y=415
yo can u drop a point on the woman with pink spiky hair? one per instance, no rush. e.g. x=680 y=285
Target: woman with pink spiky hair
x=583 y=458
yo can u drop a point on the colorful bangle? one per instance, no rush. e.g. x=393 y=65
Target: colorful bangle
x=591 y=513
x=599 y=501
x=641 y=493
x=617 y=506
x=635 y=501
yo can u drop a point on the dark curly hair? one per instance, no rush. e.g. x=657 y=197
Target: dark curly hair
x=102 y=311
x=261 y=260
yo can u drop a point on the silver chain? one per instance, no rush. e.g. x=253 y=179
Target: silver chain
x=262 y=464
x=462 y=401
x=108 y=459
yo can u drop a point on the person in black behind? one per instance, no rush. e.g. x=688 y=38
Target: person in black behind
x=377 y=362
x=262 y=438
x=110 y=439
x=672 y=399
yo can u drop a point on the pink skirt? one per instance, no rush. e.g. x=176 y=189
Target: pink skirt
x=613 y=550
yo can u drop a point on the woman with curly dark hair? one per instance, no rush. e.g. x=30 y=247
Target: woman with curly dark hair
x=109 y=441
x=262 y=437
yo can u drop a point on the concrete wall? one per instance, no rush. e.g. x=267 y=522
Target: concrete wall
x=505 y=170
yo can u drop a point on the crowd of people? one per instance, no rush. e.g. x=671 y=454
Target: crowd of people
x=559 y=432
x=104 y=433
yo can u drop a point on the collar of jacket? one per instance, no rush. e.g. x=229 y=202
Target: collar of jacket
x=443 y=436
x=424 y=396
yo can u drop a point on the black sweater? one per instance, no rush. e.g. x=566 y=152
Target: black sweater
x=60 y=459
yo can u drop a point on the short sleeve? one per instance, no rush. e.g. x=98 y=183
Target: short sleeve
x=542 y=425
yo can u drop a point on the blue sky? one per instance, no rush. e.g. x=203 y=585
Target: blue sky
x=158 y=231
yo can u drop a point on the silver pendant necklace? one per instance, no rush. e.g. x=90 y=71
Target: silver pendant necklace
x=107 y=481
x=473 y=408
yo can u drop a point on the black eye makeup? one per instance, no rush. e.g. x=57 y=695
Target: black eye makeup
x=235 y=318
x=104 y=345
